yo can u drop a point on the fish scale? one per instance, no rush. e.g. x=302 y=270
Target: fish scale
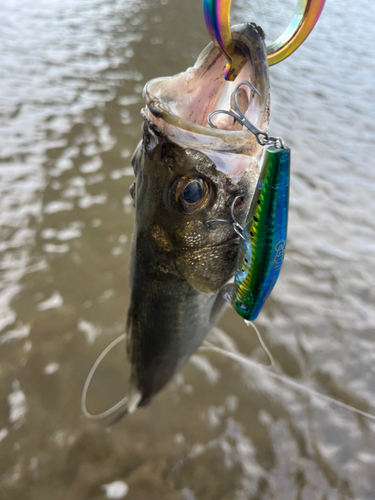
x=262 y=254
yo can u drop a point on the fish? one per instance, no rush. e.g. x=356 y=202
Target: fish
x=187 y=173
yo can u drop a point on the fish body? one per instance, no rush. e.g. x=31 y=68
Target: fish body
x=178 y=265
x=186 y=174
x=262 y=254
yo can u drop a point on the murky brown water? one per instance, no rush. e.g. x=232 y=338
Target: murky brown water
x=71 y=75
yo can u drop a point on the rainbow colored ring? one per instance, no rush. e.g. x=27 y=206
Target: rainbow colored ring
x=217 y=18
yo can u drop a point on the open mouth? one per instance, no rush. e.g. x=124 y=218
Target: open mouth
x=185 y=101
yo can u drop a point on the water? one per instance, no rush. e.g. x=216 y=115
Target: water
x=71 y=77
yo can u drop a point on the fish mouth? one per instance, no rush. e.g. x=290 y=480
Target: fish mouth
x=180 y=105
x=232 y=241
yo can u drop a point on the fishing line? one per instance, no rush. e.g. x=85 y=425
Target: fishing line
x=283 y=378
x=208 y=346
x=262 y=343
x=115 y=407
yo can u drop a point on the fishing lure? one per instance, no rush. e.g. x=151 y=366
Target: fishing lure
x=263 y=238
x=217 y=18
x=262 y=252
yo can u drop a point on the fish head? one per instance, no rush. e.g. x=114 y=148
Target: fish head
x=189 y=174
x=181 y=200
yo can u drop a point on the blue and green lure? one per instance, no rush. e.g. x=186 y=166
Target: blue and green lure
x=264 y=237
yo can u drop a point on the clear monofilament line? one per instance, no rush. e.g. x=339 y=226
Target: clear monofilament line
x=115 y=407
x=208 y=346
x=262 y=343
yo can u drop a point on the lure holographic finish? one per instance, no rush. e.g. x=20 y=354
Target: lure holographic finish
x=217 y=18
x=262 y=251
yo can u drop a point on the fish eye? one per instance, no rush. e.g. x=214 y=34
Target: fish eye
x=192 y=193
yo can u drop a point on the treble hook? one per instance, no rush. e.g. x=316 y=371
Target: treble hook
x=235 y=225
x=261 y=136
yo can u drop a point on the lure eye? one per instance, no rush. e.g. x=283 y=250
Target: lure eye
x=192 y=193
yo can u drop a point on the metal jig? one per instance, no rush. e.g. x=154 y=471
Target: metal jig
x=217 y=18
x=261 y=136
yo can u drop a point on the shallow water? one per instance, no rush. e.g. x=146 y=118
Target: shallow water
x=71 y=76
